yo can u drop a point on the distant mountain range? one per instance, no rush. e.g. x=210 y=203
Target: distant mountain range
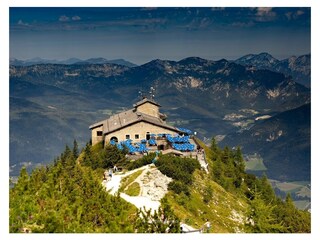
x=297 y=67
x=52 y=104
x=35 y=61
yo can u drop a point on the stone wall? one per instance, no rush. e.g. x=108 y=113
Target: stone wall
x=140 y=128
x=94 y=135
x=150 y=109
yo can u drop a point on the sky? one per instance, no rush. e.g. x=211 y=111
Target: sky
x=142 y=34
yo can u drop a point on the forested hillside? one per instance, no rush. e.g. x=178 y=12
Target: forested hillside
x=67 y=196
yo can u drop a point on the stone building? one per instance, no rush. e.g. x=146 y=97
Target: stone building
x=143 y=129
x=136 y=124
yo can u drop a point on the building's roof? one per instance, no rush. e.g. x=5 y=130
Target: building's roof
x=126 y=118
x=145 y=100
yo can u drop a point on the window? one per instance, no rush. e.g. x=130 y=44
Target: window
x=148 y=135
x=127 y=136
x=99 y=133
x=136 y=136
x=115 y=139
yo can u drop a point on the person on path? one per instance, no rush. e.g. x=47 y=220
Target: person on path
x=110 y=173
x=207 y=226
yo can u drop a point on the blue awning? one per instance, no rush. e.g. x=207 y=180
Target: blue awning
x=184 y=130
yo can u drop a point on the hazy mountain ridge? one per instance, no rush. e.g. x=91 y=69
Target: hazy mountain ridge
x=70 y=61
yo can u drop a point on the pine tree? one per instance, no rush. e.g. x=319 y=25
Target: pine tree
x=218 y=170
x=23 y=181
x=261 y=217
x=214 y=148
x=238 y=160
x=295 y=221
x=75 y=149
x=266 y=189
x=87 y=159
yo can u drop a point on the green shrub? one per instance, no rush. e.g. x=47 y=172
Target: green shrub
x=179 y=187
x=208 y=194
x=145 y=160
x=180 y=169
x=98 y=156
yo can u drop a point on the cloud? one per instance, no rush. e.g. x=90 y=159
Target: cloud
x=300 y=12
x=265 y=11
x=12 y=167
x=294 y=15
x=288 y=15
x=76 y=18
x=265 y=14
x=25 y=164
x=21 y=23
x=64 y=18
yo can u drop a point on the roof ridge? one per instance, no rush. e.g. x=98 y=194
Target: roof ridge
x=145 y=100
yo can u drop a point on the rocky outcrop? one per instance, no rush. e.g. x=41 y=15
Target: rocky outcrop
x=153 y=184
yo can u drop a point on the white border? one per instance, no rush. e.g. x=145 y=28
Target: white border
x=163 y=3
x=4 y=94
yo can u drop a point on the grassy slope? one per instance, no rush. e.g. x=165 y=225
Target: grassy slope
x=222 y=209
x=219 y=210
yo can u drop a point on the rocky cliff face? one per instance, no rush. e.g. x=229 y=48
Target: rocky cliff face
x=153 y=184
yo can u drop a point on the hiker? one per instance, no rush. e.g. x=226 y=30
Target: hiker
x=207 y=226
x=110 y=173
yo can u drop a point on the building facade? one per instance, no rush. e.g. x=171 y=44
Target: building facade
x=135 y=124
